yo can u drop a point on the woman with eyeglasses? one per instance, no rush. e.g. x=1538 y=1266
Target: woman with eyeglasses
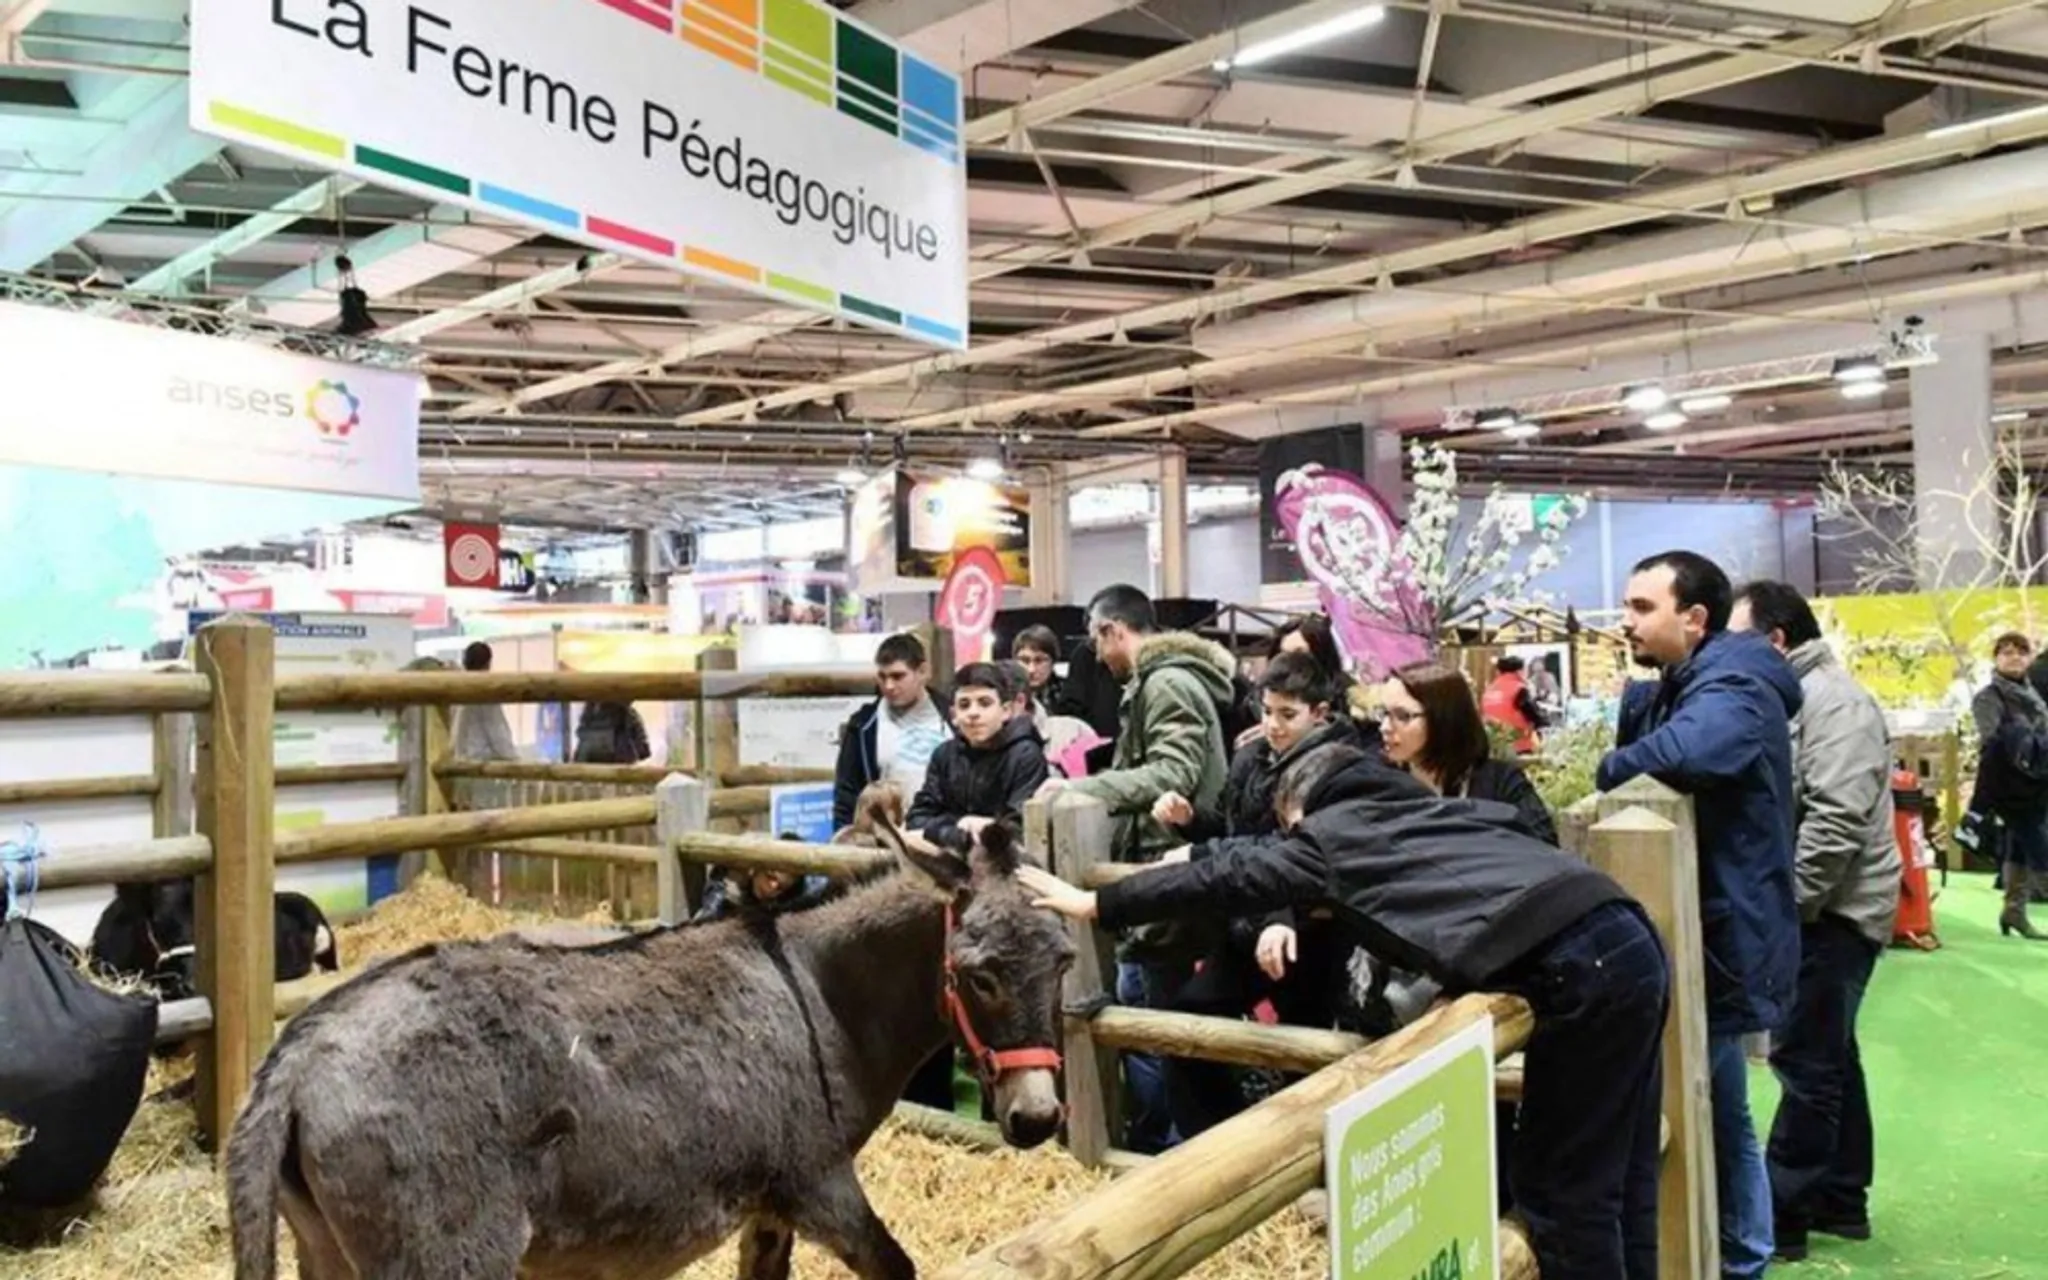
x=1432 y=728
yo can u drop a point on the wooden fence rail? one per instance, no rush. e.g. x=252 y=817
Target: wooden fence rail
x=645 y=775
x=92 y=865
x=458 y=830
x=34 y=697
x=60 y=790
x=469 y=688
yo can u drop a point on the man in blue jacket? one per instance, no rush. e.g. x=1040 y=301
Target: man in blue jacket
x=1718 y=728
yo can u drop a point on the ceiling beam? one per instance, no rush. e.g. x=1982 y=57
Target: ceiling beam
x=171 y=277
x=503 y=299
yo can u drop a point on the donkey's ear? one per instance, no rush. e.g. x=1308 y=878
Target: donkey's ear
x=998 y=852
x=948 y=872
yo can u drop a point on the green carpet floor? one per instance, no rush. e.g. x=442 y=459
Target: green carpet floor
x=1955 y=1045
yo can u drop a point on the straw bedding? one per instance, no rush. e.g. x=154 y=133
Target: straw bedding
x=161 y=1213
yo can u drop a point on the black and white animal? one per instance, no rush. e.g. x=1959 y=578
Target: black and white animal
x=498 y=1109
x=148 y=932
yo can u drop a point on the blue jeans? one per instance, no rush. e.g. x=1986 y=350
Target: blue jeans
x=1149 y=1129
x=1747 y=1235
x=1584 y=1162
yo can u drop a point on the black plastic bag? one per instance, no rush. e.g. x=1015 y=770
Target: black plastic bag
x=73 y=1058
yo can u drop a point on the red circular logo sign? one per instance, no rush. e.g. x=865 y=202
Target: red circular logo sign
x=973 y=592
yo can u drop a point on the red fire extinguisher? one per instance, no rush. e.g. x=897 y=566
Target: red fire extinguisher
x=1914 y=925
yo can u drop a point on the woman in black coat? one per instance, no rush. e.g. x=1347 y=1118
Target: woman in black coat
x=1433 y=730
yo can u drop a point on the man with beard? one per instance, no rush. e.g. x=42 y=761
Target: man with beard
x=1717 y=727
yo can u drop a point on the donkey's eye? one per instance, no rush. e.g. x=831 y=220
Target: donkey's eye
x=984 y=984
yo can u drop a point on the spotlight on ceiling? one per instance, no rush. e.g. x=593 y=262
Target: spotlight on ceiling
x=1647 y=398
x=2010 y=415
x=1522 y=431
x=1358 y=19
x=1850 y=369
x=985 y=469
x=1712 y=403
x=1665 y=421
x=1868 y=389
x=1495 y=419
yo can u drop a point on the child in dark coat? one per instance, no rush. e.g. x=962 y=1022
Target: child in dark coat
x=1451 y=888
x=992 y=764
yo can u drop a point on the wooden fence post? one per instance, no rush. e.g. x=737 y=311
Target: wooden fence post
x=718 y=725
x=434 y=745
x=237 y=804
x=682 y=806
x=1077 y=828
x=1646 y=842
x=172 y=810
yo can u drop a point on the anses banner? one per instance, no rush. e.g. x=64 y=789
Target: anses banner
x=773 y=145
x=92 y=394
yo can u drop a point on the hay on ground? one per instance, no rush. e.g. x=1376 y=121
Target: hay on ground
x=432 y=909
x=161 y=1212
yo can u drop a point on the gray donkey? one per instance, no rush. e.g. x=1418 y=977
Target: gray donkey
x=491 y=1110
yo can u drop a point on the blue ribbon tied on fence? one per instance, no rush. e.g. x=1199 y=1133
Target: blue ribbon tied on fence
x=21 y=861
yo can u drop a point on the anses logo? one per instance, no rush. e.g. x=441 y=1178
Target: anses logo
x=334 y=409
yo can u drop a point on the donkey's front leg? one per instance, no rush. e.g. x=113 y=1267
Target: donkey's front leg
x=765 y=1250
x=835 y=1212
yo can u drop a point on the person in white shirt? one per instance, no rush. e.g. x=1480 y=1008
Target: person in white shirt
x=892 y=738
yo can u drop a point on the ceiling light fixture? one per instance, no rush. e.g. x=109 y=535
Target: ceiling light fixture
x=1665 y=421
x=1706 y=404
x=1647 y=398
x=1868 y=389
x=1859 y=369
x=1989 y=122
x=985 y=469
x=1358 y=19
x=1522 y=431
x=1495 y=419
x=2010 y=415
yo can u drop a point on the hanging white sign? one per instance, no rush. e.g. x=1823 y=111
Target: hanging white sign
x=89 y=394
x=773 y=145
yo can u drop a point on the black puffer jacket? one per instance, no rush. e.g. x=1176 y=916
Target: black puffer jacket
x=1246 y=806
x=1448 y=887
x=1504 y=781
x=965 y=781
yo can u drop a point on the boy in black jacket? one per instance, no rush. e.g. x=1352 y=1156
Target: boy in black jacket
x=1295 y=960
x=984 y=773
x=1451 y=888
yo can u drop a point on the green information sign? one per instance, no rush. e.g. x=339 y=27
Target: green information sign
x=1409 y=1163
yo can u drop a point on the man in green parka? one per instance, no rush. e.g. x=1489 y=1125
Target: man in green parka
x=1170 y=737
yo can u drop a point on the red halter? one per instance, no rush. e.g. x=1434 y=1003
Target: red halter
x=989 y=1063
